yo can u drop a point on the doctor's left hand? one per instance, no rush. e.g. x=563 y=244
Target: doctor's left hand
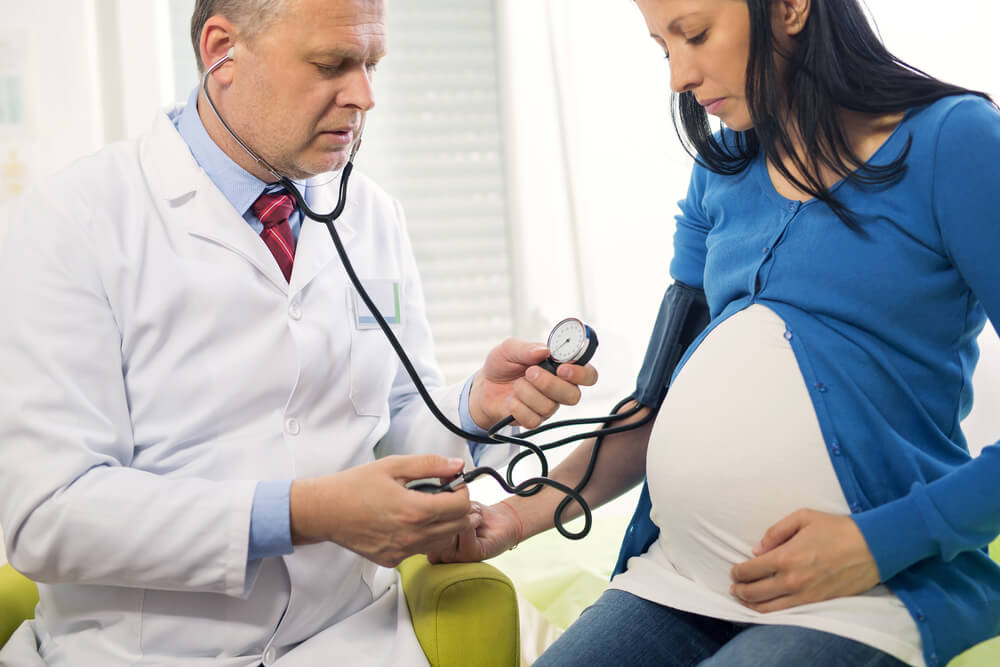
x=511 y=383
x=808 y=556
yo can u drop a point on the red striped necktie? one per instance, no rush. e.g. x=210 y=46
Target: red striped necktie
x=273 y=210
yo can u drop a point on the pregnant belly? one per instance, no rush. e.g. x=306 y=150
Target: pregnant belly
x=735 y=447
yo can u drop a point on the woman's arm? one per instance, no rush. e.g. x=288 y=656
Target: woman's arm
x=621 y=464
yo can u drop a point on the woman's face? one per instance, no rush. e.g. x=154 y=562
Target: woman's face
x=708 y=45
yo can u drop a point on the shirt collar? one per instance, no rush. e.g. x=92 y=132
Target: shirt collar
x=238 y=185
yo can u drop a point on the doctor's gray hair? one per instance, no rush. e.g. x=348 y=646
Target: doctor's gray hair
x=251 y=17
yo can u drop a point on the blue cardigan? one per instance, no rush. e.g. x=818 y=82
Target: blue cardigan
x=884 y=329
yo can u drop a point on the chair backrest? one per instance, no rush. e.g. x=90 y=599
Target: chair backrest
x=19 y=595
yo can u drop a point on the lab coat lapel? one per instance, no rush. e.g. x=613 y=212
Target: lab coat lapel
x=315 y=249
x=187 y=197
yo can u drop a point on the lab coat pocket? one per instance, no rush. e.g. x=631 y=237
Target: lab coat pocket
x=226 y=626
x=373 y=368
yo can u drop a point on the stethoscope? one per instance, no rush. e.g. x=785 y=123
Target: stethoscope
x=571 y=341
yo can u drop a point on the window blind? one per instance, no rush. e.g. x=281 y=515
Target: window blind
x=434 y=142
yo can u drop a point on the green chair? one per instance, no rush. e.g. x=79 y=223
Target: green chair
x=986 y=654
x=463 y=614
x=19 y=597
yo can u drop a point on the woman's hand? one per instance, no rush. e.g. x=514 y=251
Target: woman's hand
x=808 y=556
x=497 y=532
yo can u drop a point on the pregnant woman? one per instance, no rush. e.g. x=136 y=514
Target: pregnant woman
x=810 y=499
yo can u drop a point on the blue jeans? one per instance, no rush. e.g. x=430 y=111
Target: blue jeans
x=622 y=629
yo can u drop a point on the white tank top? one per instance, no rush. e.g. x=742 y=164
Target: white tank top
x=735 y=448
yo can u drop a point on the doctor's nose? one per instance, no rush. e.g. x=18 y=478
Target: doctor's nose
x=359 y=90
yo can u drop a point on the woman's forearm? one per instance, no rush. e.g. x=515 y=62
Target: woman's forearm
x=621 y=464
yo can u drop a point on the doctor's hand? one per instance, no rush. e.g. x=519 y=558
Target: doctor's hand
x=808 y=556
x=368 y=509
x=497 y=532
x=511 y=383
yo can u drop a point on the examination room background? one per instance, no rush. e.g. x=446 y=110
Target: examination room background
x=529 y=141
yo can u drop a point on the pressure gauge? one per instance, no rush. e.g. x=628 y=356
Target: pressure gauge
x=571 y=342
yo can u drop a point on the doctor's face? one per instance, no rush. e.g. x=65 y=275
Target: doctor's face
x=298 y=91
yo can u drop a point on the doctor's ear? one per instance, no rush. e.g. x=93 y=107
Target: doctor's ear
x=218 y=40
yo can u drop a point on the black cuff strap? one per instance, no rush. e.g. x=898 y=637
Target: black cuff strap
x=683 y=315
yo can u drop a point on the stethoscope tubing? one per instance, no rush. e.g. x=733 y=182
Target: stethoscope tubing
x=527 y=487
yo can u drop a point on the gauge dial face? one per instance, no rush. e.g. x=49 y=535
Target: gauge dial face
x=568 y=340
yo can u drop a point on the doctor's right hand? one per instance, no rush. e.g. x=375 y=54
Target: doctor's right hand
x=368 y=509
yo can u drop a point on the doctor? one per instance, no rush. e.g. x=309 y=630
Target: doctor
x=192 y=414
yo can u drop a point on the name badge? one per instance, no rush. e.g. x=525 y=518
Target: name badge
x=385 y=294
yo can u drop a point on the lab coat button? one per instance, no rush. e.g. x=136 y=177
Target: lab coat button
x=295 y=311
x=269 y=656
x=292 y=426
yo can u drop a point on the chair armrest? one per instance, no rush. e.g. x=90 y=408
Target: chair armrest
x=19 y=595
x=463 y=613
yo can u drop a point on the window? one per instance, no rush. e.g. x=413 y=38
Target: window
x=434 y=142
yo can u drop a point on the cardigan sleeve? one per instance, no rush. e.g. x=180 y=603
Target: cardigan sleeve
x=688 y=264
x=683 y=311
x=961 y=510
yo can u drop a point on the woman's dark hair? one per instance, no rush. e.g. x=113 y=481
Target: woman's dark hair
x=837 y=61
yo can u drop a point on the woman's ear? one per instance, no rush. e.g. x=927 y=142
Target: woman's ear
x=791 y=15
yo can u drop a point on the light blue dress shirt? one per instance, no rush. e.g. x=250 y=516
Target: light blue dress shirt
x=270 y=532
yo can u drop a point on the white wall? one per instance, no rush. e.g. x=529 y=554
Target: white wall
x=625 y=173
x=55 y=70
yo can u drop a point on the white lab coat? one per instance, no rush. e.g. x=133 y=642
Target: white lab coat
x=155 y=366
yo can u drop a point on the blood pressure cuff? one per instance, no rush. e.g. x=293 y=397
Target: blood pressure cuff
x=683 y=315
